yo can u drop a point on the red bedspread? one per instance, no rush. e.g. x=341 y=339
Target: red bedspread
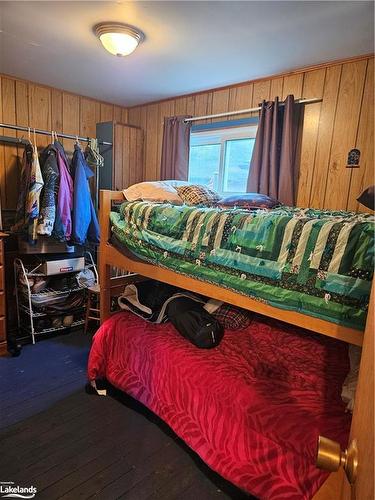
x=252 y=408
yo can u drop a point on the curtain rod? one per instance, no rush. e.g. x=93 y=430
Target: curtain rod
x=46 y=132
x=250 y=110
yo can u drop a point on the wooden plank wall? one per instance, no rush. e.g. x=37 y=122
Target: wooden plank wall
x=342 y=121
x=32 y=105
x=128 y=154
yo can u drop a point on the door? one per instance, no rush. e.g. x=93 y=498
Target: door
x=362 y=429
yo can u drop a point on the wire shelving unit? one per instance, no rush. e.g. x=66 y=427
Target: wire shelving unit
x=29 y=312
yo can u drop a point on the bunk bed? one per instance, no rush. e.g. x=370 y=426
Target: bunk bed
x=253 y=407
x=111 y=255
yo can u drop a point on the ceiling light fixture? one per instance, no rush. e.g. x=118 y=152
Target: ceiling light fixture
x=119 y=39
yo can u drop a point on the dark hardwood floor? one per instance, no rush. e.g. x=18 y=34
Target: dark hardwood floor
x=71 y=445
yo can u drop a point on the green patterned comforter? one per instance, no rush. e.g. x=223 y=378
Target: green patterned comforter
x=316 y=262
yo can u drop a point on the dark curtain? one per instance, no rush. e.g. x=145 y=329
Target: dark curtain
x=175 y=149
x=273 y=170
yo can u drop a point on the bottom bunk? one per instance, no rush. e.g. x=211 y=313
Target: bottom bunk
x=252 y=408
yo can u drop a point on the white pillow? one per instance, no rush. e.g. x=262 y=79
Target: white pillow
x=174 y=183
x=153 y=191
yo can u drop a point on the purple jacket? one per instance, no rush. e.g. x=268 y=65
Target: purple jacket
x=65 y=196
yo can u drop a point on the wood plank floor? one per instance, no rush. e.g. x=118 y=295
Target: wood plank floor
x=72 y=445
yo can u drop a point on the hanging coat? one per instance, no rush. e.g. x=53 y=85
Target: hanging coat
x=85 y=222
x=62 y=230
x=33 y=197
x=48 y=199
x=20 y=221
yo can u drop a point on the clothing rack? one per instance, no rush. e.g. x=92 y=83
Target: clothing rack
x=13 y=140
x=250 y=110
x=47 y=132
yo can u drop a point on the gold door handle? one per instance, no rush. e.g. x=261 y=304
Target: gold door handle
x=330 y=457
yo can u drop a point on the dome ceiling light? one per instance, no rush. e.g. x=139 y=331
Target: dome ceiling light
x=119 y=39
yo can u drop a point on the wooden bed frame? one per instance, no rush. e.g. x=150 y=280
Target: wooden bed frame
x=336 y=486
x=109 y=256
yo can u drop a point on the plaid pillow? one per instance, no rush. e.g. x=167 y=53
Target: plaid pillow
x=233 y=318
x=195 y=194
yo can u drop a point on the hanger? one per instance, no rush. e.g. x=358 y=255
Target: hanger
x=22 y=139
x=77 y=143
x=93 y=149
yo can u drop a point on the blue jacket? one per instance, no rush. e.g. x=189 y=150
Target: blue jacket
x=85 y=221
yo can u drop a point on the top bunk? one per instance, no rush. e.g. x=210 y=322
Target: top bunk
x=310 y=268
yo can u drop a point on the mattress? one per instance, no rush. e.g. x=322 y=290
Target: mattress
x=315 y=262
x=252 y=408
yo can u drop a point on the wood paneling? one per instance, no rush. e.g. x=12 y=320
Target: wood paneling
x=124 y=115
x=293 y=85
x=117 y=152
x=239 y=98
x=10 y=158
x=344 y=133
x=117 y=114
x=180 y=106
x=276 y=87
x=22 y=118
x=364 y=176
x=71 y=121
x=29 y=104
x=220 y=102
x=106 y=112
x=342 y=121
x=203 y=105
x=261 y=92
x=128 y=155
x=152 y=170
x=56 y=109
x=89 y=117
x=120 y=115
x=40 y=111
x=313 y=87
x=323 y=147
x=125 y=156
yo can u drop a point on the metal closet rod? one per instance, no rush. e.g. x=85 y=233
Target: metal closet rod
x=47 y=132
x=13 y=140
x=250 y=110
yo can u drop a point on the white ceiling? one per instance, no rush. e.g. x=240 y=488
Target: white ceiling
x=189 y=46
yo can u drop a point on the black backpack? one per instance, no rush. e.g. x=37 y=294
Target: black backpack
x=194 y=323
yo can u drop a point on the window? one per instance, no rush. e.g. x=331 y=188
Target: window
x=220 y=155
